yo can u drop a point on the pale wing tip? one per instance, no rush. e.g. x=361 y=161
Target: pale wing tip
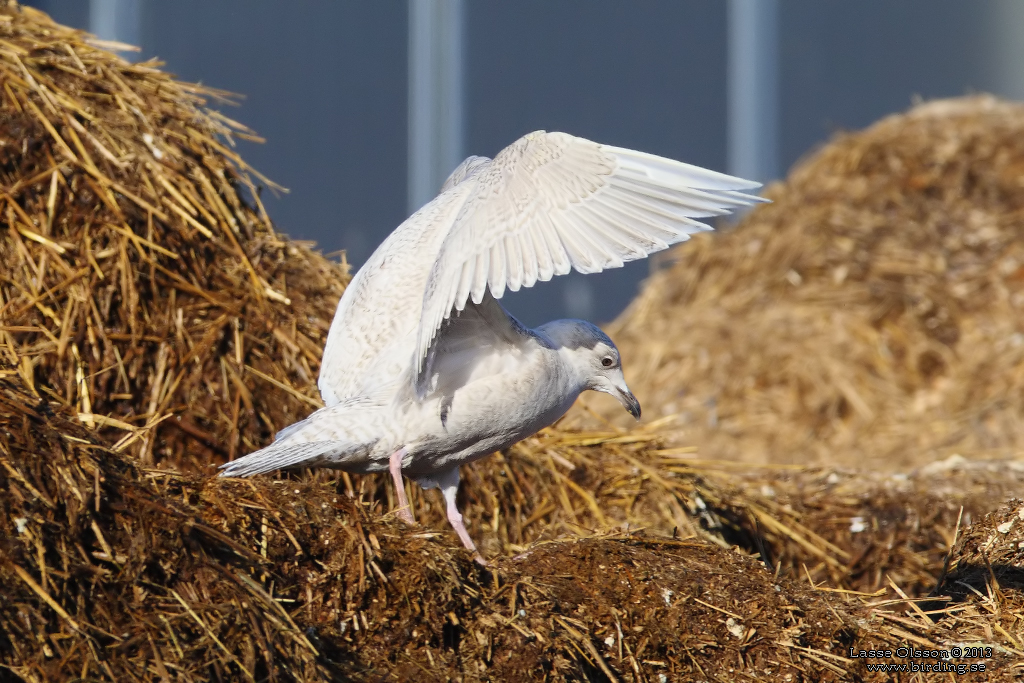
x=696 y=176
x=742 y=183
x=747 y=199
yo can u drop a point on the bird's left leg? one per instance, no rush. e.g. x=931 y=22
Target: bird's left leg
x=448 y=482
x=395 y=465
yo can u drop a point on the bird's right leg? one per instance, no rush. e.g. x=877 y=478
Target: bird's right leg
x=448 y=482
x=395 y=465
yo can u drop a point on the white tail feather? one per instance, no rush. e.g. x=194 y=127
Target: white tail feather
x=276 y=456
x=340 y=436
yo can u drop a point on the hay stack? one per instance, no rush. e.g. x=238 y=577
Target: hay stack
x=984 y=575
x=148 y=305
x=113 y=573
x=141 y=277
x=142 y=291
x=869 y=529
x=177 y=347
x=870 y=317
x=989 y=556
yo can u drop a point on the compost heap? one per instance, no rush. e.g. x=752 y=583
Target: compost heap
x=141 y=278
x=155 y=325
x=869 y=317
x=114 y=573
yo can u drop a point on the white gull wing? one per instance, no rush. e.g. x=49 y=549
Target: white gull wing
x=551 y=202
x=478 y=341
x=373 y=334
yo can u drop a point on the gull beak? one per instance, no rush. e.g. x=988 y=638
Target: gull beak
x=616 y=386
x=628 y=401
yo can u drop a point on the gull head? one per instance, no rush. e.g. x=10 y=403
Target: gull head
x=594 y=357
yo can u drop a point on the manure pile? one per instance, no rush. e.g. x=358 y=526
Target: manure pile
x=140 y=279
x=155 y=325
x=116 y=573
x=870 y=317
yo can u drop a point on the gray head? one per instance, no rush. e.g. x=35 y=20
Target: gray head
x=594 y=356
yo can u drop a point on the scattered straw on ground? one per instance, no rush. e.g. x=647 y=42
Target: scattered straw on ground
x=869 y=317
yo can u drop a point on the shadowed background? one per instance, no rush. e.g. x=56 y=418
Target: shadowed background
x=327 y=85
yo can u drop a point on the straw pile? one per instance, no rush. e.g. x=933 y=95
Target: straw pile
x=117 y=305
x=117 y=573
x=988 y=563
x=870 y=317
x=139 y=275
x=109 y=574
x=154 y=325
x=875 y=528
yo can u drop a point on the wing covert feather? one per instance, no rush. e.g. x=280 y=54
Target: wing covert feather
x=373 y=334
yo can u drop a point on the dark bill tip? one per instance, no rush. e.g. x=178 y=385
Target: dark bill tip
x=630 y=403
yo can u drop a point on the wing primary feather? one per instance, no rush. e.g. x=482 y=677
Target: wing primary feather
x=693 y=207
x=645 y=227
x=747 y=199
x=693 y=176
x=513 y=262
x=709 y=198
x=529 y=254
x=624 y=239
x=577 y=259
x=479 y=277
x=653 y=212
x=545 y=268
x=465 y=283
x=586 y=251
x=561 y=263
x=713 y=200
x=496 y=279
x=606 y=237
x=425 y=336
x=423 y=346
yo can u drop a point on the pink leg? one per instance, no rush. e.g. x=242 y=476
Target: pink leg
x=449 y=484
x=395 y=465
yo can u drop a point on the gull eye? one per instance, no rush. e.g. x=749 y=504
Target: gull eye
x=607 y=361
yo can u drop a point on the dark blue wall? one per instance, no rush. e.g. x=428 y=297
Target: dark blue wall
x=325 y=83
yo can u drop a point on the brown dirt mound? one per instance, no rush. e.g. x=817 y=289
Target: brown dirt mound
x=866 y=530
x=989 y=558
x=179 y=324
x=869 y=317
x=111 y=575
x=842 y=528
x=114 y=573
x=985 y=580
x=140 y=277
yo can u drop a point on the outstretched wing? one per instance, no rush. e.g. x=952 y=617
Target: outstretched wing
x=372 y=336
x=551 y=202
x=475 y=341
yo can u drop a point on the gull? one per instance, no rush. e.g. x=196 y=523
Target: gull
x=424 y=370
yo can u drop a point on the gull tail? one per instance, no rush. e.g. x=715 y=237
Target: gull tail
x=336 y=437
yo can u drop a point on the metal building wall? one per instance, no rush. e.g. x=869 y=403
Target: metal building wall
x=326 y=84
